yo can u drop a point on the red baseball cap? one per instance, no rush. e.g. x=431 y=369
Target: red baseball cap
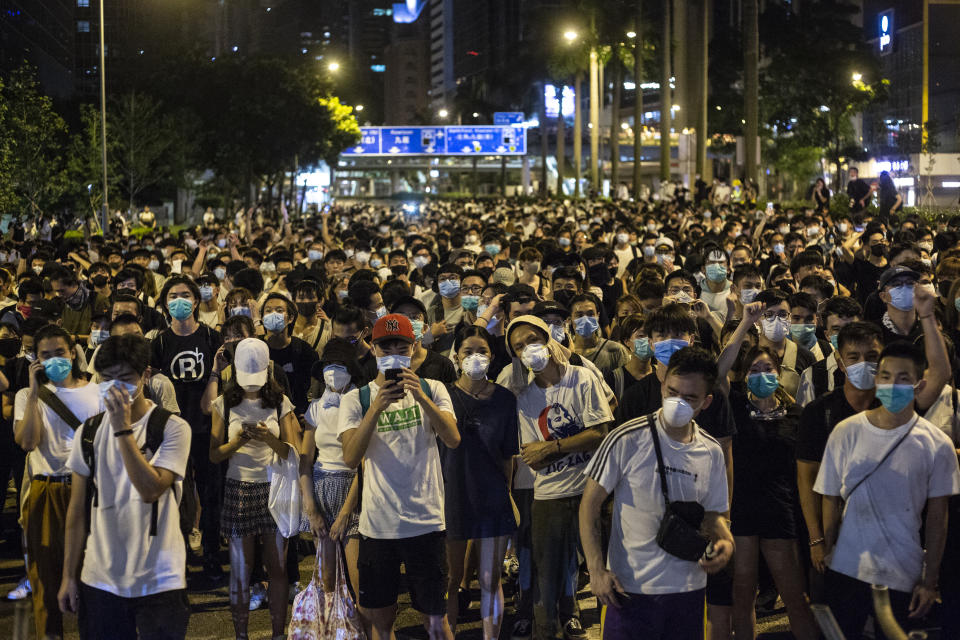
x=393 y=326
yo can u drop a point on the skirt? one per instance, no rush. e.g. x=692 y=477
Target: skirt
x=245 y=511
x=330 y=489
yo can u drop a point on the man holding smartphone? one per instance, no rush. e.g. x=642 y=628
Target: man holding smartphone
x=389 y=429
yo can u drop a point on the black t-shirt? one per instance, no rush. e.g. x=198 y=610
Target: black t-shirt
x=763 y=456
x=296 y=360
x=628 y=380
x=818 y=420
x=644 y=398
x=857 y=189
x=866 y=276
x=188 y=362
x=436 y=367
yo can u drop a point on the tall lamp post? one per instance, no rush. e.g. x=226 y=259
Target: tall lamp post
x=103 y=123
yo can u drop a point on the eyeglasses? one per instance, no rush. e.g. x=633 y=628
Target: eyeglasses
x=770 y=315
x=472 y=291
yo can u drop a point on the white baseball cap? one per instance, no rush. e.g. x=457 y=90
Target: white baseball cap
x=250 y=361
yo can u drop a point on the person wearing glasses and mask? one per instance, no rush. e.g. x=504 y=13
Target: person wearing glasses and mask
x=775 y=335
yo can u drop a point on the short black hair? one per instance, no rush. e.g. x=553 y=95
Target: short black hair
x=771 y=297
x=471 y=331
x=904 y=349
x=687 y=277
x=672 y=318
x=694 y=360
x=842 y=307
x=124 y=319
x=586 y=296
x=804 y=300
x=361 y=291
x=649 y=289
x=806 y=258
x=567 y=273
x=173 y=281
x=821 y=284
x=249 y=279
x=349 y=314
x=859 y=333
x=240 y=325
x=128 y=349
x=745 y=271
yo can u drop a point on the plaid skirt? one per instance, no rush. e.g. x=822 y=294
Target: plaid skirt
x=330 y=489
x=245 y=511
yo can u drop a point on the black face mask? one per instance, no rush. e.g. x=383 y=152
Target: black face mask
x=599 y=274
x=307 y=309
x=487 y=272
x=564 y=296
x=878 y=250
x=10 y=347
x=127 y=291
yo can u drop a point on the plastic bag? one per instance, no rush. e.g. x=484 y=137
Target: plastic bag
x=325 y=616
x=284 y=501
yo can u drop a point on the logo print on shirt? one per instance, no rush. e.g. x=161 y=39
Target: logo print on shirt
x=555 y=422
x=399 y=420
x=187 y=366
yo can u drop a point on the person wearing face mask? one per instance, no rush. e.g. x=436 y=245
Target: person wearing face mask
x=804 y=327
x=635 y=340
x=715 y=286
x=241 y=302
x=896 y=290
x=331 y=514
x=824 y=376
x=211 y=313
x=529 y=262
x=185 y=352
x=392 y=426
x=563 y=417
x=602 y=276
x=252 y=422
x=426 y=363
x=625 y=251
x=746 y=284
x=587 y=338
x=447 y=309
x=775 y=334
x=80 y=304
x=889 y=456
x=864 y=267
x=666 y=254
x=858 y=345
x=134 y=561
x=289 y=353
x=642 y=585
x=763 y=505
x=312 y=325
x=46 y=414
x=479 y=512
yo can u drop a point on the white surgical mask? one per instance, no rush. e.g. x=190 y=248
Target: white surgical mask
x=676 y=412
x=336 y=377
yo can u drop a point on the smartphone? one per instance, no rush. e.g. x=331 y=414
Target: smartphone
x=248 y=426
x=769 y=205
x=392 y=375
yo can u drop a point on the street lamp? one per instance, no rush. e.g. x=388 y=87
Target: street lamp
x=476 y=115
x=333 y=66
x=358 y=108
x=857 y=76
x=570 y=35
x=443 y=113
x=631 y=34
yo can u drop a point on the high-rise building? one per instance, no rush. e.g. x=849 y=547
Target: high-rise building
x=41 y=33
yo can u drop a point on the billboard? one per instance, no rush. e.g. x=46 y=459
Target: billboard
x=488 y=140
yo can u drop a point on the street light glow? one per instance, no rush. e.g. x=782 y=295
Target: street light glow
x=857 y=76
x=333 y=66
x=359 y=107
x=476 y=115
x=443 y=113
x=631 y=34
x=570 y=35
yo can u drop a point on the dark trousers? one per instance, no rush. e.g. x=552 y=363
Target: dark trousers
x=556 y=538
x=105 y=616
x=523 y=498
x=208 y=477
x=673 y=616
x=851 y=601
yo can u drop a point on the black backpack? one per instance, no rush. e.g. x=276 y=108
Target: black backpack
x=155 y=426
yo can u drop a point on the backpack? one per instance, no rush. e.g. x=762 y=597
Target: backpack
x=155 y=426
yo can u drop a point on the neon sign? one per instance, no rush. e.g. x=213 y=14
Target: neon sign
x=886 y=31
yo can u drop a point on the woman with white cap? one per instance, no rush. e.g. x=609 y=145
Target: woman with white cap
x=252 y=422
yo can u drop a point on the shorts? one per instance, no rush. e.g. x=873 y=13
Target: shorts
x=424 y=559
x=720 y=587
x=245 y=509
x=668 y=616
x=753 y=518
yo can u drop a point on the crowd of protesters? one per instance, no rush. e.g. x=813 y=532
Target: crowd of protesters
x=680 y=403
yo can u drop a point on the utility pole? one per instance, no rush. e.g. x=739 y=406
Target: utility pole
x=577 y=133
x=751 y=82
x=638 y=100
x=594 y=121
x=103 y=123
x=704 y=85
x=666 y=102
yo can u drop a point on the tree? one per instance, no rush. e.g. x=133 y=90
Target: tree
x=85 y=164
x=33 y=136
x=141 y=132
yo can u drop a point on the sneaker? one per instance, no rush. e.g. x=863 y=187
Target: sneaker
x=21 y=591
x=573 y=630
x=521 y=629
x=258 y=596
x=294 y=590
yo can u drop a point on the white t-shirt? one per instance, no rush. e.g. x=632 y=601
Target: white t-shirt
x=249 y=462
x=323 y=416
x=879 y=541
x=806 y=392
x=121 y=556
x=402 y=480
x=626 y=465
x=50 y=456
x=565 y=409
x=625 y=256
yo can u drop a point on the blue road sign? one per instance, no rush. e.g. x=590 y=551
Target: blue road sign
x=507 y=117
x=440 y=141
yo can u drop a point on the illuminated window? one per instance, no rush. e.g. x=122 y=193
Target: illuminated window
x=378 y=68
x=83 y=3
x=83 y=26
